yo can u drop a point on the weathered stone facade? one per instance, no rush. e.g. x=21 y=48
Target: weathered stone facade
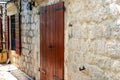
x=29 y=60
x=92 y=40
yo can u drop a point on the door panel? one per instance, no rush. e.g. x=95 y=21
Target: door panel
x=42 y=44
x=52 y=42
x=59 y=18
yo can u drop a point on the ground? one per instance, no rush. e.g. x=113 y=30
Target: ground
x=10 y=72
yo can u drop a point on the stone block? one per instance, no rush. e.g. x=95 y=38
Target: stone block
x=116 y=32
x=108 y=75
x=91 y=45
x=76 y=32
x=29 y=59
x=100 y=46
x=91 y=31
x=103 y=62
x=95 y=72
x=31 y=33
x=117 y=76
x=74 y=44
x=113 y=9
x=89 y=58
x=29 y=40
x=24 y=64
x=24 y=39
x=113 y=49
x=35 y=70
x=98 y=31
x=115 y=66
x=33 y=26
x=84 y=45
x=84 y=31
x=26 y=59
x=28 y=66
x=107 y=32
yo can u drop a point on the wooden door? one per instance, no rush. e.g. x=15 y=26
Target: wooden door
x=52 y=42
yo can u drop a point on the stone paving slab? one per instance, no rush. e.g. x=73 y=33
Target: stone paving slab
x=10 y=72
x=7 y=67
x=20 y=75
x=6 y=76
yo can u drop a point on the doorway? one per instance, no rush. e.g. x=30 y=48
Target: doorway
x=52 y=42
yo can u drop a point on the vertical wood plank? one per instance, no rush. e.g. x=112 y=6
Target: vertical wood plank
x=59 y=18
x=48 y=49
x=53 y=38
x=43 y=43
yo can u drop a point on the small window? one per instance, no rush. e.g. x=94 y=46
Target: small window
x=13 y=40
x=16 y=33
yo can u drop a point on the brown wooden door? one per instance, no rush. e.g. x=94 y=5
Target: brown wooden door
x=52 y=42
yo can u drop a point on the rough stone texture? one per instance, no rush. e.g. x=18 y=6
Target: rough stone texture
x=29 y=61
x=92 y=40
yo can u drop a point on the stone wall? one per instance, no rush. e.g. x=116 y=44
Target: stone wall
x=29 y=60
x=92 y=40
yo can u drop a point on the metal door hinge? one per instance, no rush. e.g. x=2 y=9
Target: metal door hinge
x=59 y=8
x=57 y=78
x=42 y=12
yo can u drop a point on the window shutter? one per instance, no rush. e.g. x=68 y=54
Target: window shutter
x=18 y=33
x=1 y=46
x=7 y=33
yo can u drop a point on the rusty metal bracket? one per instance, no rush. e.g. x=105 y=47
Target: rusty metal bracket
x=59 y=8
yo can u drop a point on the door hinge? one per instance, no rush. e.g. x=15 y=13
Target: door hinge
x=59 y=8
x=57 y=78
x=42 y=12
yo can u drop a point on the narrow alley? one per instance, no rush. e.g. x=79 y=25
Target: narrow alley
x=60 y=39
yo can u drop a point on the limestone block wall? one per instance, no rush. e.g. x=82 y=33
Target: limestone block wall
x=92 y=40
x=29 y=60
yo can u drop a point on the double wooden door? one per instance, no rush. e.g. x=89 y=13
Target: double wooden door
x=52 y=42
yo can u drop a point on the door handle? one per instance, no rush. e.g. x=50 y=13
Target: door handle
x=50 y=46
x=42 y=71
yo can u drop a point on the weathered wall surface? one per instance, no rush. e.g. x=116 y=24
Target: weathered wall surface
x=29 y=60
x=93 y=35
x=92 y=40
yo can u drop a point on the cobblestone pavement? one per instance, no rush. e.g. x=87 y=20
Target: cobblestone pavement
x=10 y=72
